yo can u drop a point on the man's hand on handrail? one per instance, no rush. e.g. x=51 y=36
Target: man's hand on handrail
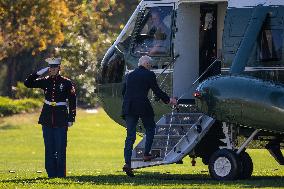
x=173 y=101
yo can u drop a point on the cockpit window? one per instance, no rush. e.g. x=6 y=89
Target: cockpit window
x=126 y=37
x=270 y=45
x=154 y=34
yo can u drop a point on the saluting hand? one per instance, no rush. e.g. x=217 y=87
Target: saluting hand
x=42 y=71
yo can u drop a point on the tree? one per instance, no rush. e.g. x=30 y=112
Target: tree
x=93 y=30
x=30 y=26
x=82 y=30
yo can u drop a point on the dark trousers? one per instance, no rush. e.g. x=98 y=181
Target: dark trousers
x=55 y=142
x=131 y=123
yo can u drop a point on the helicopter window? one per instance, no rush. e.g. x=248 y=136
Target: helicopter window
x=113 y=70
x=126 y=37
x=155 y=33
x=270 y=45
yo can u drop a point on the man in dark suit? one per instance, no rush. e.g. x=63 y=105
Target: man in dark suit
x=137 y=105
x=58 y=113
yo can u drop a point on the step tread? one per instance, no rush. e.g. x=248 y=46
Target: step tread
x=141 y=164
x=141 y=159
x=166 y=136
x=184 y=114
x=176 y=124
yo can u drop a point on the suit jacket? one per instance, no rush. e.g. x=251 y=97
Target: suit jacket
x=56 y=89
x=135 y=92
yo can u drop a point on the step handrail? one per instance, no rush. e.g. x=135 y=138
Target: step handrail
x=174 y=107
x=205 y=71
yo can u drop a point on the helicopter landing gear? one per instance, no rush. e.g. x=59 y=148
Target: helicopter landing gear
x=232 y=164
x=224 y=164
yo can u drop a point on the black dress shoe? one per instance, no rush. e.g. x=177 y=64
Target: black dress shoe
x=148 y=157
x=128 y=170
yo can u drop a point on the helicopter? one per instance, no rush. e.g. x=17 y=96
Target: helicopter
x=223 y=61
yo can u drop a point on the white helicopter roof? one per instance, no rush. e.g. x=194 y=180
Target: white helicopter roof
x=183 y=1
x=231 y=3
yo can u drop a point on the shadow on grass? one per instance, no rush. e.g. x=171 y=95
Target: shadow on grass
x=156 y=179
x=8 y=127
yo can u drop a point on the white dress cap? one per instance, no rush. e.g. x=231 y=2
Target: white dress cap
x=53 y=61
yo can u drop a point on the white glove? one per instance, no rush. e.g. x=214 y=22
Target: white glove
x=70 y=124
x=42 y=71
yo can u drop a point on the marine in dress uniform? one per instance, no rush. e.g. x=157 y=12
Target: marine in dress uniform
x=137 y=105
x=58 y=113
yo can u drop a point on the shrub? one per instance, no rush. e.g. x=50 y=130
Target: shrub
x=9 y=106
x=21 y=91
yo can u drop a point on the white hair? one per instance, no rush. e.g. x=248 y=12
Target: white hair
x=144 y=59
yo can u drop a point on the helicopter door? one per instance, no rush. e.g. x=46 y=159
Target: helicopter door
x=186 y=67
x=196 y=45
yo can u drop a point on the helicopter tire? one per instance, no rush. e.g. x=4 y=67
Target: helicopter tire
x=224 y=164
x=246 y=166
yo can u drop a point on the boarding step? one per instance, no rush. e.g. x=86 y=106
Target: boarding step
x=161 y=145
x=173 y=129
x=175 y=137
x=180 y=118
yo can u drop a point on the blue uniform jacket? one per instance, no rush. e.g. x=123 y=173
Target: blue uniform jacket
x=56 y=89
x=135 y=92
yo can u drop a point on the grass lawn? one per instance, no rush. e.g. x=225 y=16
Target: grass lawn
x=95 y=158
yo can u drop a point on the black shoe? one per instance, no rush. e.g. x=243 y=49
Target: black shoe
x=148 y=157
x=128 y=170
